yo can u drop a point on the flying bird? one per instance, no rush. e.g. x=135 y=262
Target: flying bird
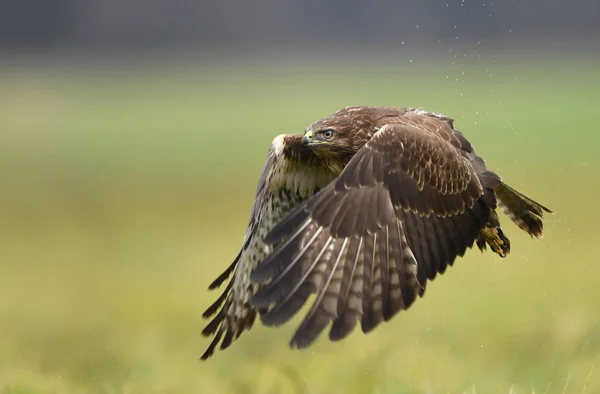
x=362 y=210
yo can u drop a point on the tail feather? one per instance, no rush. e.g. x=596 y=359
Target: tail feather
x=522 y=210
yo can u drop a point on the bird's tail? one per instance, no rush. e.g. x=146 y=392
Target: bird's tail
x=522 y=210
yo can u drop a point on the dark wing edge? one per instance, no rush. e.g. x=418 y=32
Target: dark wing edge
x=223 y=325
x=406 y=205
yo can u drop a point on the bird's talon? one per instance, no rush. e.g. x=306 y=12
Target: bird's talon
x=497 y=241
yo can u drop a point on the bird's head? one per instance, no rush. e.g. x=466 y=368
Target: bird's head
x=336 y=138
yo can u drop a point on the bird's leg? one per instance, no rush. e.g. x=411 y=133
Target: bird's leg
x=493 y=236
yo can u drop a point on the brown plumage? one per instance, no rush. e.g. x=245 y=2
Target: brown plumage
x=363 y=210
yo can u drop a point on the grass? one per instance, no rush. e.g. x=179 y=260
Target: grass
x=126 y=193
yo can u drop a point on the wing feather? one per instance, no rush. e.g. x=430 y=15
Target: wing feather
x=325 y=305
x=297 y=296
x=289 y=177
x=369 y=280
x=349 y=307
x=402 y=209
x=405 y=205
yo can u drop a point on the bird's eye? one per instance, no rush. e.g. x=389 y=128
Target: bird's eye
x=327 y=134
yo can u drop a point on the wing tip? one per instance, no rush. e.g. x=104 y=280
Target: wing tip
x=211 y=310
x=340 y=329
x=212 y=327
x=225 y=275
x=211 y=348
x=301 y=341
x=206 y=355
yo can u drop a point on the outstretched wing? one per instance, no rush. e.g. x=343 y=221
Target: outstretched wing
x=233 y=315
x=290 y=176
x=401 y=211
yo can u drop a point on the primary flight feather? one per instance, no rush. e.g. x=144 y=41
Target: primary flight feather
x=362 y=210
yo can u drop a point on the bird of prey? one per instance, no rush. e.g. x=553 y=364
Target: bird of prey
x=362 y=211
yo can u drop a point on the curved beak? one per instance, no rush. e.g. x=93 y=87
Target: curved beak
x=307 y=139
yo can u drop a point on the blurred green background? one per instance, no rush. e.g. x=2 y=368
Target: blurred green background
x=126 y=190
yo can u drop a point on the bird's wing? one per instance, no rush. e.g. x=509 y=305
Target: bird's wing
x=252 y=223
x=522 y=210
x=232 y=316
x=289 y=176
x=401 y=211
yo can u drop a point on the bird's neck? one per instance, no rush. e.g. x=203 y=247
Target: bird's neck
x=299 y=169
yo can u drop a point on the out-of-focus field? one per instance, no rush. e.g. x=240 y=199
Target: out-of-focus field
x=124 y=193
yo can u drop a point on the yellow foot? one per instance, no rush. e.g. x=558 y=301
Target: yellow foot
x=495 y=238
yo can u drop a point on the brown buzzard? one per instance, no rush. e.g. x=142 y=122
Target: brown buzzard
x=362 y=210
